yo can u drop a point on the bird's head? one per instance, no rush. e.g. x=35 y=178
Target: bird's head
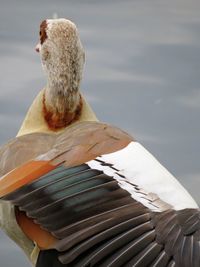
x=61 y=51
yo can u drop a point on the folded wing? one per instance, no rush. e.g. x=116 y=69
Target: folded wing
x=79 y=194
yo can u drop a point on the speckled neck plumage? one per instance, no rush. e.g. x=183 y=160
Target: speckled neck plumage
x=62 y=111
x=62 y=58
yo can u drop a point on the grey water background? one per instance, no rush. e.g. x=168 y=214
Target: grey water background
x=142 y=73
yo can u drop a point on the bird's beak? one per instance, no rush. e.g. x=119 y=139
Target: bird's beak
x=38 y=47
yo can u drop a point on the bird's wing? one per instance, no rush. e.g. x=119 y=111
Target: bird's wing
x=89 y=195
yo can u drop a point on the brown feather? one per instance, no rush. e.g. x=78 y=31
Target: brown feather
x=83 y=227
x=57 y=120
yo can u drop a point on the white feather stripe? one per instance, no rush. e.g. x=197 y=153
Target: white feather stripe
x=140 y=168
x=138 y=194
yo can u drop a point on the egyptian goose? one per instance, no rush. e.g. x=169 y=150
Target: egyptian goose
x=60 y=103
x=57 y=106
x=90 y=195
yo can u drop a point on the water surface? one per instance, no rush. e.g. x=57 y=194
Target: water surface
x=142 y=74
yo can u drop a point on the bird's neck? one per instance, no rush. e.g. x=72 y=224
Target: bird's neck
x=62 y=104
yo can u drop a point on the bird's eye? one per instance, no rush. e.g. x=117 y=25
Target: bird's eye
x=43 y=34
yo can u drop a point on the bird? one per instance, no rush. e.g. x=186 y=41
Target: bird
x=86 y=193
x=58 y=105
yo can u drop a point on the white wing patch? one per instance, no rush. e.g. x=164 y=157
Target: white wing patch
x=138 y=172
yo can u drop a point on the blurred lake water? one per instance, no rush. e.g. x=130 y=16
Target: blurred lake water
x=142 y=74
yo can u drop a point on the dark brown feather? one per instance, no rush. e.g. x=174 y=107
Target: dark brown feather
x=161 y=260
x=94 y=219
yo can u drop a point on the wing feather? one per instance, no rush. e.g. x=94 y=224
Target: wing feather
x=95 y=217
